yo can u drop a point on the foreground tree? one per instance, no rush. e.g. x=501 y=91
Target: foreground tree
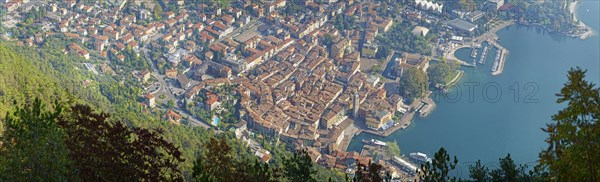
x=219 y=163
x=573 y=153
x=299 y=168
x=32 y=147
x=110 y=151
x=439 y=167
x=371 y=172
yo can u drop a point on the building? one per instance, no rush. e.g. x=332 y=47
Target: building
x=356 y=106
x=171 y=73
x=496 y=3
x=236 y=64
x=333 y=116
x=369 y=50
x=429 y=6
x=183 y=81
x=412 y=60
x=420 y=31
x=475 y=15
x=212 y=101
x=379 y=119
x=150 y=100
x=462 y=25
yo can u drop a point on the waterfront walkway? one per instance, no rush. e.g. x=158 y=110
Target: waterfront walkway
x=406 y=119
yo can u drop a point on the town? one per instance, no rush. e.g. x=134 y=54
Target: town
x=308 y=74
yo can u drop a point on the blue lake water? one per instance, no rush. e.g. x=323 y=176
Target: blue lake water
x=504 y=114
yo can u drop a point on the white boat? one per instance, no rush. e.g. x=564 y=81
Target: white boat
x=495 y=66
x=420 y=157
x=374 y=142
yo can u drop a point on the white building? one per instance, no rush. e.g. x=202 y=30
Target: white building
x=429 y=6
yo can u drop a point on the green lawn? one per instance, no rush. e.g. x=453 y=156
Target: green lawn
x=450 y=76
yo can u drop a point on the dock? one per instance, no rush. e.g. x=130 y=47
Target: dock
x=503 y=55
x=428 y=106
x=500 y=68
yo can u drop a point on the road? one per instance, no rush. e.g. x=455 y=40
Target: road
x=169 y=94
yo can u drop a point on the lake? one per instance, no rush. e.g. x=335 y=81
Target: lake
x=485 y=117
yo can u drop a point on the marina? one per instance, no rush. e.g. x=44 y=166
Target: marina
x=474 y=53
x=483 y=55
x=491 y=38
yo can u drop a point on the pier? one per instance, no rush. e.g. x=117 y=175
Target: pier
x=428 y=106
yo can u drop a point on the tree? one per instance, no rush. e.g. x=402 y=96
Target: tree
x=508 y=171
x=216 y=163
x=371 y=172
x=479 y=172
x=157 y=13
x=299 y=167
x=574 y=137
x=328 y=40
x=413 y=83
x=110 y=151
x=376 y=69
x=438 y=72
x=392 y=148
x=32 y=147
x=438 y=168
x=171 y=104
x=219 y=162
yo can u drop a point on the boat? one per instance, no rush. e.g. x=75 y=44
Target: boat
x=483 y=55
x=495 y=66
x=474 y=53
x=497 y=60
x=420 y=157
x=374 y=142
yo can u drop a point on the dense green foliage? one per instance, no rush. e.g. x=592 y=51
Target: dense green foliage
x=550 y=14
x=21 y=79
x=392 y=148
x=400 y=38
x=104 y=150
x=438 y=72
x=413 y=83
x=574 y=136
x=221 y=162
x=33 y=147
x=228 y=111
x=77 y=144
x=371 y=172
x=441 y=166
x=344 y=23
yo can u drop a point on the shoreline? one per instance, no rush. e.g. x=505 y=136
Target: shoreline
x=573 y=6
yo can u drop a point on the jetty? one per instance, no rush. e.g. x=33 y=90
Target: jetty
x=498 y=66
x=428 y=106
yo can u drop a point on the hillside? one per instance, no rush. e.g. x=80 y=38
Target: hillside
x=21 y=79
x=45 y=72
